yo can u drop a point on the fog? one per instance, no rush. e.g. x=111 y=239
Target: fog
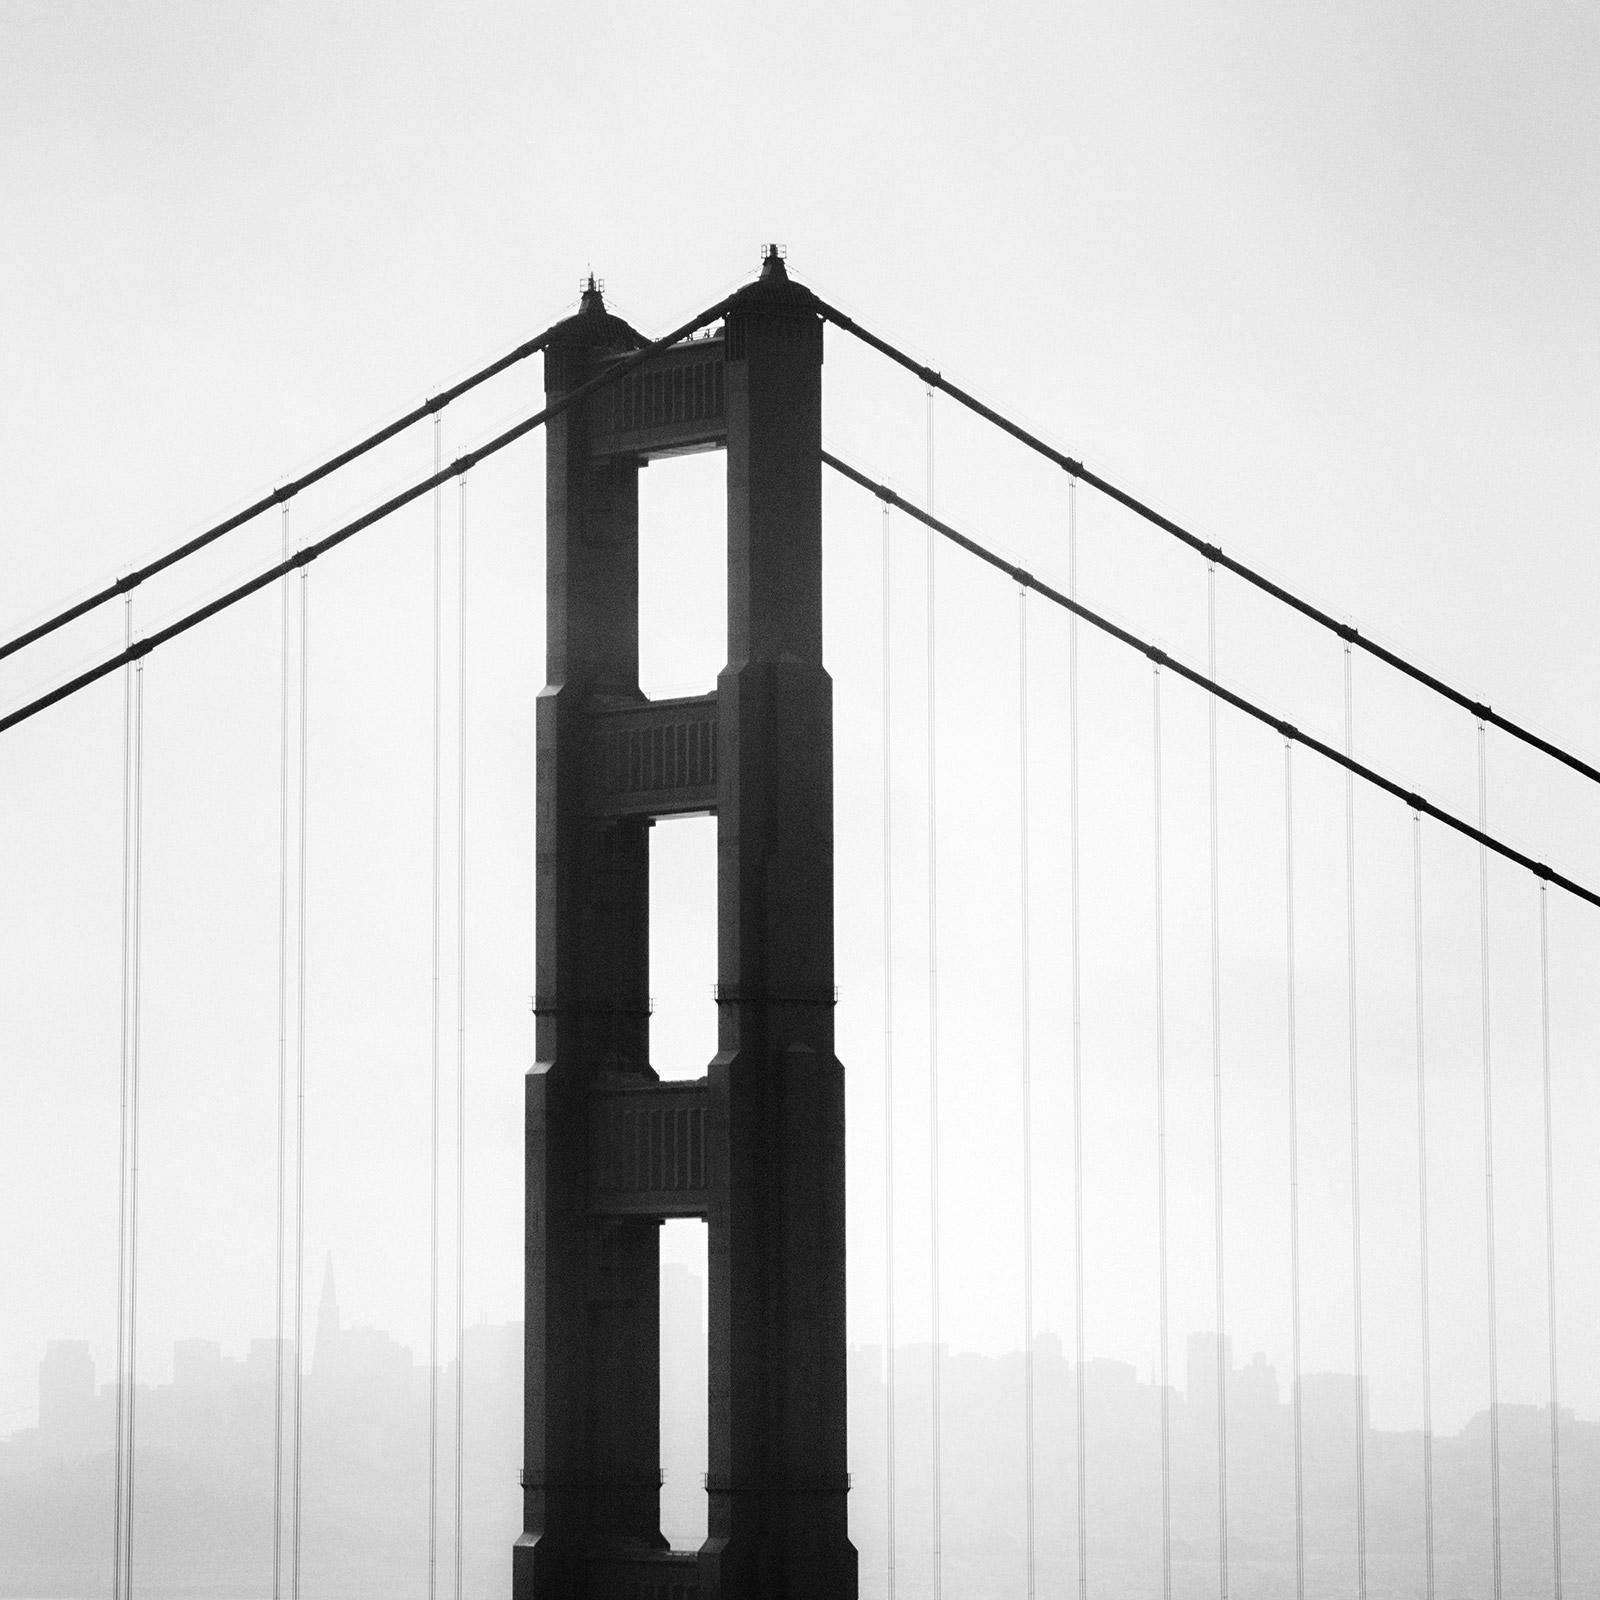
x=1317 y=286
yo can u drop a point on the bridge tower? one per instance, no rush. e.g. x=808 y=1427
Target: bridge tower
x=756 y=1147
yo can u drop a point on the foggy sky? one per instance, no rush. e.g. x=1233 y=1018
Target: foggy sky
x=1319 y=286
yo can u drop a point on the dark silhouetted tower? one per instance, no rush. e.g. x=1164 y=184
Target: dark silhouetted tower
x=756 y=1147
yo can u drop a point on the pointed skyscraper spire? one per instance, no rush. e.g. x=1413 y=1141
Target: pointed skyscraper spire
x=327 y=1321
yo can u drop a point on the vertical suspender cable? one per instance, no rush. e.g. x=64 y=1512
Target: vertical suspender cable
x=125 y=1053
x=1294 y=1180
x=888 y=1062
x=1488 y=1167
x=135 y=917
x=1027 y=1073
x=1163 y=1359
x=1550 y=1239
x=122 y=1129
x=933 y=1046
x=433 y=1041
x=1077 y=1046
x=1216 y=1100
x=283 y=1069
x=1355 y=1134
x=461 y=1015
x=300 y=1088
x=1422 y=1215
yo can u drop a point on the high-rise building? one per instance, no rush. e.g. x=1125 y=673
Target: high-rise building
x=1201 y=1392
x=67 y=1411
x=327 y=1322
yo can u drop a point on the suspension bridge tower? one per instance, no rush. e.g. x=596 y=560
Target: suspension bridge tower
x=756 y=1147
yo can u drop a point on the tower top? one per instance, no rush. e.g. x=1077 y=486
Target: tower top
x=592 y=325
x=774 y=290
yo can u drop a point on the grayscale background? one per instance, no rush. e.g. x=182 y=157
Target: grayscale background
x=1317 y=281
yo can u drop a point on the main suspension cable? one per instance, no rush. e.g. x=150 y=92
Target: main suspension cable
x=1550 y=1239
x=1216 y=1096
x=1080 y=1439
x=1228 y=696
x=888 y=1055
x=282 y=496
x=1355 y=1133
x=1027 y=1072
x=309 y=553
x=1488 y=1169
x=933 y=1045
x=1211 y=552
x=1165 y=1378
x=1296 y=1375
x=1422 y=1212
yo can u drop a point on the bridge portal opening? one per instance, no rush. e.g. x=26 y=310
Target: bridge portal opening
x=683 y=573
x=683 y=945
x=683 y=1382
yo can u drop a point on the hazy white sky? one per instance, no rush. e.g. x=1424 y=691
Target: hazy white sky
x=1320 y=282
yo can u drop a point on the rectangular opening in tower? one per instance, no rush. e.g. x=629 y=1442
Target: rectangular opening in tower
x=683 y=945
x=683 y=574
x=683 y=1382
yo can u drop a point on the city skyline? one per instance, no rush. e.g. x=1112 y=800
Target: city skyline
x=365 y=1426
x=257 y=1353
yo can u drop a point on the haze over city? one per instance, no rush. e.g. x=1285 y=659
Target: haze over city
x=205 y=1468
x=1317 y=284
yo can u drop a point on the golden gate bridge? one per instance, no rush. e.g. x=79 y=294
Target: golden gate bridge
x=756 y=1146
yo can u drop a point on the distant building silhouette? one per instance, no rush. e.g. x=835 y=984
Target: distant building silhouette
x=67 y=1408
x=206 y=1443
x=1201 y=1389
x=359 y=1376
x=1329 y=1402
x=322 y=1352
